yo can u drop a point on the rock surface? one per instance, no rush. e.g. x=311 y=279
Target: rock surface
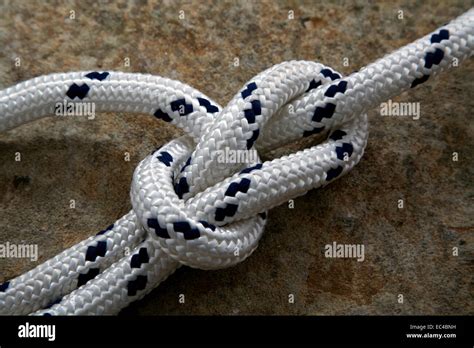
x=409 y=251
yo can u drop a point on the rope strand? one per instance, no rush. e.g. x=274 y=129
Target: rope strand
x=189 y=208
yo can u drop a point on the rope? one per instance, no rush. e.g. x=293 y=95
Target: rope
x=188 y=207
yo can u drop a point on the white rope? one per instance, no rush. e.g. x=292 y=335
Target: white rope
x=189 y=209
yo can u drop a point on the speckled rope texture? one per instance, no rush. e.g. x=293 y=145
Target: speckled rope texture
x=190 y=209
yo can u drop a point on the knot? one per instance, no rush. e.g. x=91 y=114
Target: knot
x=209 y=213
x=189 y=207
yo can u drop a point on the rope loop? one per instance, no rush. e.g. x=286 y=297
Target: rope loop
x=208 y=213
x=193 y=202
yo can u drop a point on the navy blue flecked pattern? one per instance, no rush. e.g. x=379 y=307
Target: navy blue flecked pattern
x=313 y=84
x=188 y=229
x=250 y=115
x=253 y=138
x=181 y=106
x=105 y=230
x=139 y=258
x=136 y=285
x=94 y=251
x=4 y=286
x=333 y=173
x=188 y=162
x=328 y=110
x=345 y=148
x=189 y=232
x=85 y=277
x=95 y=75
x=337 y=135
x=251 y=169
x=162 y=115
x=432 y=58
x=165 y=158
x=181 y=187
x=76 y=91
x=255 y=110
x=332 y=75
x=207 y=225
x=208 y=105
x=339 y=87
x=230 y=209
x=160 y=231
x=248 y=90
x=323 y=112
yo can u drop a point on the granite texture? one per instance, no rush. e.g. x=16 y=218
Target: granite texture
x=408 y=251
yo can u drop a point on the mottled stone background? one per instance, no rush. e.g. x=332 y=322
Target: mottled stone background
x=408 y=251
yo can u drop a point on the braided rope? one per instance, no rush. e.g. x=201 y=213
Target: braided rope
x=188 y=208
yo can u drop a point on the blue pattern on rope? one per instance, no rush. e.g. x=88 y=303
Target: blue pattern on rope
x=135 y=285
x=94 y=251
x=333 y=173
x=250 y=169
x=95 y=75
x=4 y=286
x=106 y=230
x=232 y=190
x=332 y=75
x=78 y=91
x=160 y=231
x=207 y=104
x=181 y=106
x=432 y=58
x=346 y=148
x=140 y=258
x=185 y=228
x=162 y=115
x=85 y=277
x=248 y=90
x=165 y=158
